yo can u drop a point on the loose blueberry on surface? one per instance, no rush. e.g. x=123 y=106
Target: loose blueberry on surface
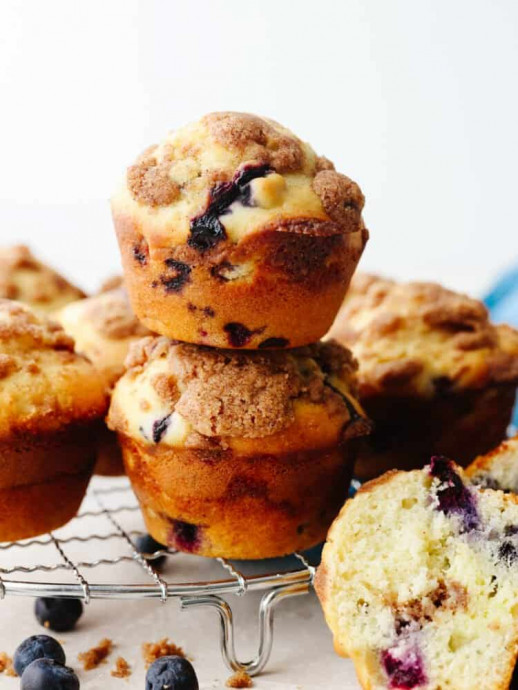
x=274 y=343
x=179 y=276
x=58 y=614
x=46 y=674
x=160 y=427
x=206 y=229
x=37 y=647
x=453 y=496
x=185 y=536
x=173 y=673
x=405 y=671
x=145 y=544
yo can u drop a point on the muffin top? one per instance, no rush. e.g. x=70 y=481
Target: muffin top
x=229 y=175
x=186 y=395
x=103 y=327
x=44 y=384
x=24 y=278
x=420 y=338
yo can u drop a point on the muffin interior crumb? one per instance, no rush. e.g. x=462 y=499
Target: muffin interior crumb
x=151 y=651
x=122 y=668
x=240 y=679
x=95 y=656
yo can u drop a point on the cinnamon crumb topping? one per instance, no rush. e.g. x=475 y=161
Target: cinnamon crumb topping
x=240 y=679
x=96 y=655
x=122 y=668
x=151 y=651
x=6 y=665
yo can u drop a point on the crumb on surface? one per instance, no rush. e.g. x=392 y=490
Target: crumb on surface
x=122 y=668
x=240 y=679
x=96 y=655
x=6 y=665
x=151 y=651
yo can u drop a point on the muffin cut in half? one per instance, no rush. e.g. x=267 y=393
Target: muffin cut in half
x=235 y=234
x=435 y=375
x=51 y=403
x=241 y=455
x=419 y=582
x=498 y=469
x=25 y=279
x=103 y=327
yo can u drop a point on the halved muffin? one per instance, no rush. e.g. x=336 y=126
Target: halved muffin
x=242 y=455
x=52 y=401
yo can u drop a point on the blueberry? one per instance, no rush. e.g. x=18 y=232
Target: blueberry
x=37 y=647
x=453 y=496
x=405 y=671
x=145 y=544
x=58 y=614
x=507 y=553
x=238 y=334
x=46 y=674
x=178 y=275
x=173 y=673
x=160 y=427
x=185 y=536
x=274 y=343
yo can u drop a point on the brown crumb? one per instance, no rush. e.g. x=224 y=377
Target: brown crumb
x=122 y=668
x=240 y=679
x=97 y=655
x=6 y=665
x=151 y=651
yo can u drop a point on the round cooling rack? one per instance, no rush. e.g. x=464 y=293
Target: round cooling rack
x=94 y=557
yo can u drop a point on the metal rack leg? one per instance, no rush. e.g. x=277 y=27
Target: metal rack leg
x=227 y=637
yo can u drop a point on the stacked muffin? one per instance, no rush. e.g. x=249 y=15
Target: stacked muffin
x=238 y=244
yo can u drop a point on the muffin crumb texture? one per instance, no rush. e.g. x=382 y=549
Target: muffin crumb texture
x=122 y=668
x=97 y=655
x=423 y=338
x=240 y=679
x=6 y=665
x=151 y=651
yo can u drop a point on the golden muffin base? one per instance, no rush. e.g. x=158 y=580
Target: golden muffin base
x=109 y=461
x=287 y=289
x=408 y=431
x=216 y=503
x=43 y=479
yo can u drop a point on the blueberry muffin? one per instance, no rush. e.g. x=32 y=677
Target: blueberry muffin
x=51 y=403
x=235 y=234
x=241 y=455
x=25 y=279
x=434 y=374
x=103 y=327
x=419 y=582
x=498 y=469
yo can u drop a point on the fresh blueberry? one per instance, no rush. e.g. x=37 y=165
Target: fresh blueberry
x=405 y=671
x=47 y=674
x=145 y=544
x=453 y=496
x=37 y=647
x=173 y=673
x=58 y=614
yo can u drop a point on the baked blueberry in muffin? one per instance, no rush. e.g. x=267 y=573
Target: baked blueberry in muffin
x=435 y=375
x=419 y=582
x=235 y=234
x=103 y=327
x=26 y=279
x=242 y=455
x=52 y=401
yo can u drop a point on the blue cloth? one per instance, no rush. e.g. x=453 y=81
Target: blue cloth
x=502 y=302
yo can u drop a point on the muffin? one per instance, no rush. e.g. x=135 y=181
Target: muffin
x=241 y=455
x=51 y=403
x=498 y=469
x=419 y=583
x=435 y=375
x=103 y=328
x=235 y=234
x=25 y=279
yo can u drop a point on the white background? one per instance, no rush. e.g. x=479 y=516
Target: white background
x=415 y=99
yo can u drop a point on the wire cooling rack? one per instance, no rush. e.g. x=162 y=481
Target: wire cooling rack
x=94 y=557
